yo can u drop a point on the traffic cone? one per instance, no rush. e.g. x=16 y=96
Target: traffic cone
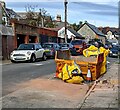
x=88 y=78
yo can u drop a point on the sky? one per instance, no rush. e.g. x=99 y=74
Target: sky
x=97 y=12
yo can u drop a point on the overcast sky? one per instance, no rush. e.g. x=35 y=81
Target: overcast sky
x=97 y=12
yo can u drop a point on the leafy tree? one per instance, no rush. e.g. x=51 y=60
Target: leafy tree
x=76 y=26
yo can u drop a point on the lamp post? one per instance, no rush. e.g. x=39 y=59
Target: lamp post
x=119 y=28
x=65 y=4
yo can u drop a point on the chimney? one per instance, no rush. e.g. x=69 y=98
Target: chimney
x=58 y=18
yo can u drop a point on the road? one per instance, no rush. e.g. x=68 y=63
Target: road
x=15 y=73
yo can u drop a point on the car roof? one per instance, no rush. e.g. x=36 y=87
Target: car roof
x=49 y=43
x=31 y=43
x=64 y=43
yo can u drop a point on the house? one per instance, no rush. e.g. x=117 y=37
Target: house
x=8 y=14
x=71 y=34
x=6 y=41
x=59 y=23
x=89 y=32
x=6 y=33
x=112 y=33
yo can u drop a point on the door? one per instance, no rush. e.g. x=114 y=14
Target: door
x=4 y=47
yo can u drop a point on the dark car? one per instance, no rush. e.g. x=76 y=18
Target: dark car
x=95 y=43
x=65 y=46
x=68 y=46
x=50 y=49
x=79 y=46
x=114 y=51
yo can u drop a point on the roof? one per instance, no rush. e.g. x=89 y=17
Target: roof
x=94 y=28
x=53 y=29
x=112 y=29
x=75 y=33
x=60 y=24
x=11 y=13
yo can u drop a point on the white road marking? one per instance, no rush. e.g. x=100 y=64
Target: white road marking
x=37 y=64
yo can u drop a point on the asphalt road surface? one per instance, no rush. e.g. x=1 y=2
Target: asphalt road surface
x=15 y=73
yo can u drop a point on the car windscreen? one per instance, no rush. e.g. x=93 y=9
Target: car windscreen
x=47 y=46
x=26 y=47
x=76 y=42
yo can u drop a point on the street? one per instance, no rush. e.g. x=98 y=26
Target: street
x=15 y=73
x=31 y=82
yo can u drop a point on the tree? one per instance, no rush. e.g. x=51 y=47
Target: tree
x=41 y=18
x=31 y=15
x=76 y=26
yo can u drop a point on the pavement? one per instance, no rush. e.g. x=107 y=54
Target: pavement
x=5 y=61
x=105 y=92
x=48 y=92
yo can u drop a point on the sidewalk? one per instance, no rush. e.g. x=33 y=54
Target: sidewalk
x=105 y=93
x=54 y=93
x=46 y=93
x=5 y=62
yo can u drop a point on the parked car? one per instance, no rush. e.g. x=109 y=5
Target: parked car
x=50 y=49
x=28 y=52
x=114 y=51
x=68 y=46
x=95 y=43
x=65 y=46
x=79 y=46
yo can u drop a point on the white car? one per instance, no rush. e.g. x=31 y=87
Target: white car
x=28 y=52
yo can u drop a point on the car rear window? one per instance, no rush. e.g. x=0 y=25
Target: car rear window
x=47 y=45
x=76 y=42
x=64 y=45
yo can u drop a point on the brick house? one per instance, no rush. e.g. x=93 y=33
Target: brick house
x=6 y=41
x=89 y=31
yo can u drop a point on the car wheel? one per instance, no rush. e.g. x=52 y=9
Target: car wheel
x=44 y=57
x=33 y=58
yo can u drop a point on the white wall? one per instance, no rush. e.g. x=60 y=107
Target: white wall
x=61 y=33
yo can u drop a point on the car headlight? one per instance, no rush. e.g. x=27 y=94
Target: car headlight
x=28 y=53
x=11 y=53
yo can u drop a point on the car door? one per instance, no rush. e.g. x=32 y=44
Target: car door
x=38 y=51
x=41 y=51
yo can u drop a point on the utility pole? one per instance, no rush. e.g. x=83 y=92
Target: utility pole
x=65 y=4
x=119 y=28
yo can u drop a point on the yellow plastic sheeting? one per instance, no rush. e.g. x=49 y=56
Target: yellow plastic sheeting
x=92 y=50
x=106 y=52
x=68 y=76
x=75 y=80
